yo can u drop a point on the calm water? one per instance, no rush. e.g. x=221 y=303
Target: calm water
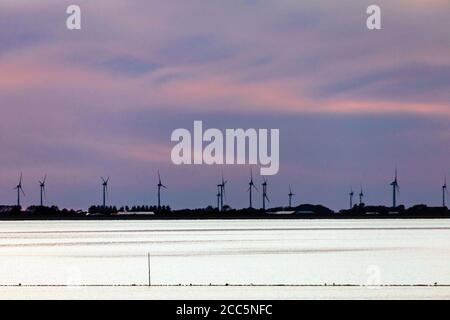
x=290 y=252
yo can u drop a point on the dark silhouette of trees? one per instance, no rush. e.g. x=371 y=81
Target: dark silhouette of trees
x=108 y=210
x=307 y=211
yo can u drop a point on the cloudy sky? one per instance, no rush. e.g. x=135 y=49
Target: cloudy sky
x=351 y=104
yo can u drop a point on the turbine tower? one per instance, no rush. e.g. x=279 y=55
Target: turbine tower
x=218 y=197
x=444 y=192
x=351 y=194
x=395 y=189
x=42 y=187
x=290 y=197
x=251 y=186
x=160 y=185
x=361 y=196
x=264 y=195
x=19 y=190
x=105 y=190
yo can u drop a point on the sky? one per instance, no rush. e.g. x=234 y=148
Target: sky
x=351 y=104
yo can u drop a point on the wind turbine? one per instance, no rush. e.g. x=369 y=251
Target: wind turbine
x=265 y=197
x=251 y=186
x=395 y=189
x=160 y=185
x=290 y=197
x=444 y=192
x=42 y=186
x=361 y=196
x=351 y=194
x=19 y=190
x=222 y=191
x=105 y=190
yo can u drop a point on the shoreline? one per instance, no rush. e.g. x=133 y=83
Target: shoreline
x=196 y=218
x=228 y=292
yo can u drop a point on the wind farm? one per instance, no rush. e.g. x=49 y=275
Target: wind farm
x=225 y=210
x=221 y=193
